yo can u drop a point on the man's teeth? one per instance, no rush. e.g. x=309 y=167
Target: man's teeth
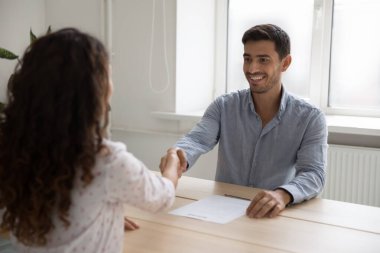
x=256 y=78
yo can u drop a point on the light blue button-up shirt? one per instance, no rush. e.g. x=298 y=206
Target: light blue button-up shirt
x=290 y=152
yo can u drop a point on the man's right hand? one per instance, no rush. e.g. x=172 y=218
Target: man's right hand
x=173 y=164
x=182 y=160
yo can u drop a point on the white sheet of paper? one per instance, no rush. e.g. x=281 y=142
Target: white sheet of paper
x=216 y=208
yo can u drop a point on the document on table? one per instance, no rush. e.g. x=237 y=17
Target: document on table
x=216 y=208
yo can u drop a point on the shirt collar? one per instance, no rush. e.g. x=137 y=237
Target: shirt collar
x=284 y=100
x=250 y=100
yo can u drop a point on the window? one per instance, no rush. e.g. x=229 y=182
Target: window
x=243 y=14
x=355 y=56
x=336 y=57
x=334 y=44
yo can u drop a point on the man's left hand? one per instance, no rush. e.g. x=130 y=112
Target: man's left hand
x=268 y=203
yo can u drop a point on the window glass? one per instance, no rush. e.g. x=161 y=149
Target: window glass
x=355 y=55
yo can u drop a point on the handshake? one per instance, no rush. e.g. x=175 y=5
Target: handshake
x=173 y=164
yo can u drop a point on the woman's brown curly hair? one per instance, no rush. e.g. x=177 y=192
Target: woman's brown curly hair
x=52 y=128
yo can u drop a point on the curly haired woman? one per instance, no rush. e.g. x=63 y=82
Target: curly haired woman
x=63 y=183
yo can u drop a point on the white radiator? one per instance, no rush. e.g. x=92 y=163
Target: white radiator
x=353 y=175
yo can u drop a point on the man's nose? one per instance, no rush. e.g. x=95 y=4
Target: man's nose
x=253 y=66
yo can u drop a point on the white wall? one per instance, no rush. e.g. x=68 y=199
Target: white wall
x=85 y=15
x=195 y=54
x=150 y=146
x=134 y=99
x=16 y=19
x=135 y=34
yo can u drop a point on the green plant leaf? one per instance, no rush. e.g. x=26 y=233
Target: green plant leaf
x=5 y=54
x=48 y=30
x=32 y=36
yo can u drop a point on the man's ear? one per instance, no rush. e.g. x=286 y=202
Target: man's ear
x=286 y=62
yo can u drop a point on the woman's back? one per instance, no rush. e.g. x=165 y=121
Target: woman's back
x=97 y=211
x=63 y=183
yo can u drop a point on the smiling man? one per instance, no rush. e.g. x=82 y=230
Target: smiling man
x=268 y=138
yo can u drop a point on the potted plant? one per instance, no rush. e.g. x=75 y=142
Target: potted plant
x=8 y=55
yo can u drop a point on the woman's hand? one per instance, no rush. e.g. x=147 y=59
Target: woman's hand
x=129 y=225
x=173 y=164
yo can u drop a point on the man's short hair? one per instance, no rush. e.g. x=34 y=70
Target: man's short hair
x=272 y=33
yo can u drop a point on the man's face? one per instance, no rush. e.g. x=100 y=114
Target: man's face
x=262 y=66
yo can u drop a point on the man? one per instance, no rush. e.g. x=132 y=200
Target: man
x=268 y=138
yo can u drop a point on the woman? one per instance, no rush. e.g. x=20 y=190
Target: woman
x=64 y=183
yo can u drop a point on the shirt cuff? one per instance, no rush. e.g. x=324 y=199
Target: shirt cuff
x=291 y=195
x=294 y=192
x=170 y=197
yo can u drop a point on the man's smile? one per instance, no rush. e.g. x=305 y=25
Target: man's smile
x=256 y=78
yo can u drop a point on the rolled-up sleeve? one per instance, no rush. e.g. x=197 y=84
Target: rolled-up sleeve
x=311 y=162
x=204 y=136
x=129 y=181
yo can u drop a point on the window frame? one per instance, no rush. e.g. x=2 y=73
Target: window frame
x=322 y=42
x=320 y=57
x=340 y=121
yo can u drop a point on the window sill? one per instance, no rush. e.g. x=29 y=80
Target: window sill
x=189 y=116
x=336 y=124
x=353 y=125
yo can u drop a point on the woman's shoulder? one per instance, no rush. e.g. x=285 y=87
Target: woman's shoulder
x=116 y=154
x=114 y=145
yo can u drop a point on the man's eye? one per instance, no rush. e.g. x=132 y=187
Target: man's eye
x=263 y=60
x=247 y=60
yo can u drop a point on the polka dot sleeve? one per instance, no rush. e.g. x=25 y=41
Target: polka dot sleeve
x=129 y=181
